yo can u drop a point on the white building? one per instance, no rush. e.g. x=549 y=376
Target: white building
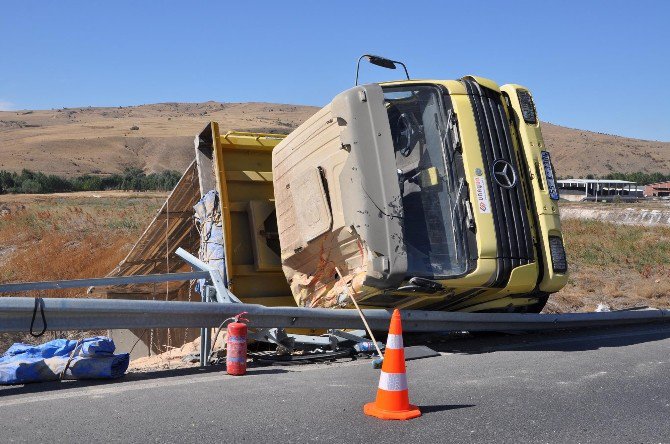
x=598 y=189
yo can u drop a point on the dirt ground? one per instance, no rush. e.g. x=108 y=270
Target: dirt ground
x=180 y=357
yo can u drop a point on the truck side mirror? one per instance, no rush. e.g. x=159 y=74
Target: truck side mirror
x=381 y=62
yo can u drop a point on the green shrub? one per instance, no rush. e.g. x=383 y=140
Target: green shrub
x=31 y=186
x=132 y=179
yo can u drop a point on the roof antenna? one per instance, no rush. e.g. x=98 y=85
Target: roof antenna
x=379 y=61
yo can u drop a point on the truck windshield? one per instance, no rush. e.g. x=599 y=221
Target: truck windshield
x=418 y=129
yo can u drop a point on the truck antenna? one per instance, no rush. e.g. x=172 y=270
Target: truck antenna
x=379 y=61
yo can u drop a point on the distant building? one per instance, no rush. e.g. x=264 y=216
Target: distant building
x=598 y=189
x=660 y=189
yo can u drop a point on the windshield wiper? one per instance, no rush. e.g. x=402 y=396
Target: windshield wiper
x=457 y=196
x=422 y=284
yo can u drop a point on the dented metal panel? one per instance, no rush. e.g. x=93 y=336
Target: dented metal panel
x=374 y=207
x=332 y=212
x=311 y=205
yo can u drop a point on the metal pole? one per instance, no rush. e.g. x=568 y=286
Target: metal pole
x=205 y=332
x=360 y=313
x=222 y=292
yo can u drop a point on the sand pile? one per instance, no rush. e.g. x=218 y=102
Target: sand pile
x=186 y=356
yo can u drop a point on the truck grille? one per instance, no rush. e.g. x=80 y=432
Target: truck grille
x=508 y=206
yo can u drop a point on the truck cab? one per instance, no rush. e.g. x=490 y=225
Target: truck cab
x=422 y=194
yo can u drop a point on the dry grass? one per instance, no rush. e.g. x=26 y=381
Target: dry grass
x=67 y=238
x=620 y=265
x=50 y=238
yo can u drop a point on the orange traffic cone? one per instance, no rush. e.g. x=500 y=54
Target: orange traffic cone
x=392 y=395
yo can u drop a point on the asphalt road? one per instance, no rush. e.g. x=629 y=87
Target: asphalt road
x=608 y=385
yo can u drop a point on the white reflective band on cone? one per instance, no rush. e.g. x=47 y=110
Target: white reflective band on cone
x=393 y=382
x=394 y=342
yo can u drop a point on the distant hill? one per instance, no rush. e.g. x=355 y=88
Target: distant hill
x=75 y=141
x=578 y=153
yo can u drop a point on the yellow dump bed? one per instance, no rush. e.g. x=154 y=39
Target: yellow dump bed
x=239 y=166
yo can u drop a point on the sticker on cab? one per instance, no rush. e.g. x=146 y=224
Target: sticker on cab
x=483 y=202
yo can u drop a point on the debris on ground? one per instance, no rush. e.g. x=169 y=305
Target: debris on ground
x=186 y=356
x=602 y=308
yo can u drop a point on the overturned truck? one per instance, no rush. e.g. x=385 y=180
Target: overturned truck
x=422 y=194
x=434 y=195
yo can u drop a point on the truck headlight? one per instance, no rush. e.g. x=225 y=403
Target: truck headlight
x=527 y=106
x=558 y=260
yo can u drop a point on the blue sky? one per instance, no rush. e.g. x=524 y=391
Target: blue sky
x=597 y=65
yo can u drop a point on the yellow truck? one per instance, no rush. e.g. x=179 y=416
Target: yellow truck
x=417 y=194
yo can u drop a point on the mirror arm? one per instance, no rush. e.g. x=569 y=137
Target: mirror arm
x=379 y=61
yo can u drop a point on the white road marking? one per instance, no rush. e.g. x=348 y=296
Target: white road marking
x=110 y=389
x=125 y=386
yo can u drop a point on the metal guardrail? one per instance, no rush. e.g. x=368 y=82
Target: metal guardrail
x=106 y=281
x=17 y=314
x=89 y=314
x=204 y=272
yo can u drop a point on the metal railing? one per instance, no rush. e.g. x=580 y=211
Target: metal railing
x=106 y=281
x=214 y=289
x=17 y=314
x=205 y=271
x=88 y=314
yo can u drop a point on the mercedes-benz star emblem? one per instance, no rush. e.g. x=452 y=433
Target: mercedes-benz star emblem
x=504 y=173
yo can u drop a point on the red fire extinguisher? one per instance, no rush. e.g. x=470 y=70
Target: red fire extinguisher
x=236 y=345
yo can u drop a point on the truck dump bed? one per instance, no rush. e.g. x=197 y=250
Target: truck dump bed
x=239 y=166
x=244 y=182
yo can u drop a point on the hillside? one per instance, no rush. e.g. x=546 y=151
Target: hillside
x=578 y=152
x=75 y=141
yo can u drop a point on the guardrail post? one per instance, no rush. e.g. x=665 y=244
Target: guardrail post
x=203 y=331
x=206 y=333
